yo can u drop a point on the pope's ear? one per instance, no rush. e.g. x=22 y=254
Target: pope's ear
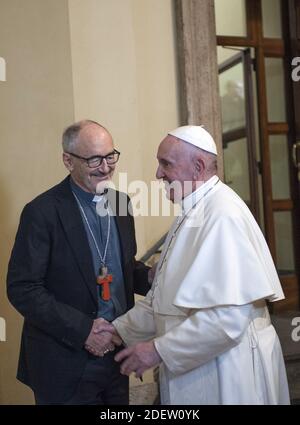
x=200 y=165
x=67 y=160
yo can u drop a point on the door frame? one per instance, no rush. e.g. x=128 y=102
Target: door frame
x=273 y=48
x=291 y=20
x=199 y=92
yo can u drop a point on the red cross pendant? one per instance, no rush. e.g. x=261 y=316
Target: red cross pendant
x=104 y=279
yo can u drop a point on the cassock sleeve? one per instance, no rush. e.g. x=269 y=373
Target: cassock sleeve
x=138 y=323
x=203 y=336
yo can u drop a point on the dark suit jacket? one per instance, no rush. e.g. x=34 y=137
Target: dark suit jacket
x=51 y=282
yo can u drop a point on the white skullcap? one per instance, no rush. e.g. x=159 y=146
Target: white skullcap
x=197 y=136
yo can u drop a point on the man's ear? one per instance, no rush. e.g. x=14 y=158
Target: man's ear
x=67 y=160
x=199 y=168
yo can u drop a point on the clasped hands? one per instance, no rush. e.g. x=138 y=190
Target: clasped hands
x=102 y=338
x=137 y=358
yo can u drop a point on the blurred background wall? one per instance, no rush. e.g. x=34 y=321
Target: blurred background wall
x=108 y=60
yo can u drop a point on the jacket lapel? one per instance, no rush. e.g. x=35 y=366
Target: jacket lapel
x=115 y=198
x=74 y=229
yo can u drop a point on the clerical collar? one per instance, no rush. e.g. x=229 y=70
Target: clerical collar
x=189 y=201
x=84 y=196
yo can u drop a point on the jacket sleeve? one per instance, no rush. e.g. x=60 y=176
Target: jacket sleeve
x=202 y=336
x=141 y=284
x=140 y=278
x=26 y=283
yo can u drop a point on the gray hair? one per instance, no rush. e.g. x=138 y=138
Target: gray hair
x=70 y=134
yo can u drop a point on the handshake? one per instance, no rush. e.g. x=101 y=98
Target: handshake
x=137 y=358
x=102 y=338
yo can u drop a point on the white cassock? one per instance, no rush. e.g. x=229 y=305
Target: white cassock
x=206 y=309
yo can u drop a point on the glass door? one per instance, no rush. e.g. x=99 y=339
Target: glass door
x=238 y=132
x=261 y=158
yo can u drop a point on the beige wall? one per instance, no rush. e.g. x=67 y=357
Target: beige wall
x=109 y=60
x=123 y=57
x=36 y=102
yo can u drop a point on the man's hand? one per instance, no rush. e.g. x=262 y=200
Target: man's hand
x=138 y=358
x=104 y=326
x=99 y=343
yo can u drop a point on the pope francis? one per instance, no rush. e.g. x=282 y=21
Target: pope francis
x=205 y=320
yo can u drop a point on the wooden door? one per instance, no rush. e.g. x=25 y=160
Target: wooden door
x=273 y=45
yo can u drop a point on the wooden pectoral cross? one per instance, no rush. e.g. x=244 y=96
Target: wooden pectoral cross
x=104 y=279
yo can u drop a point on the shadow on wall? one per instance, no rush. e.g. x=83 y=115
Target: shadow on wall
x=11 y=391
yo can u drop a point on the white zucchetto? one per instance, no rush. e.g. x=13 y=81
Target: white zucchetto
x=197 y=136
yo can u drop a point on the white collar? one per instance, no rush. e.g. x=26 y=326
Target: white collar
x=190 y=200
x=97 y=198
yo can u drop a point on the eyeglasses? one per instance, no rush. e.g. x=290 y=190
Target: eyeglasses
x=96 y=161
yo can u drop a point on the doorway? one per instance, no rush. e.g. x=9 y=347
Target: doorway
x=257 y=118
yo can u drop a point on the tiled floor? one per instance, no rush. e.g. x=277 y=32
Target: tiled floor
x=143 y=394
